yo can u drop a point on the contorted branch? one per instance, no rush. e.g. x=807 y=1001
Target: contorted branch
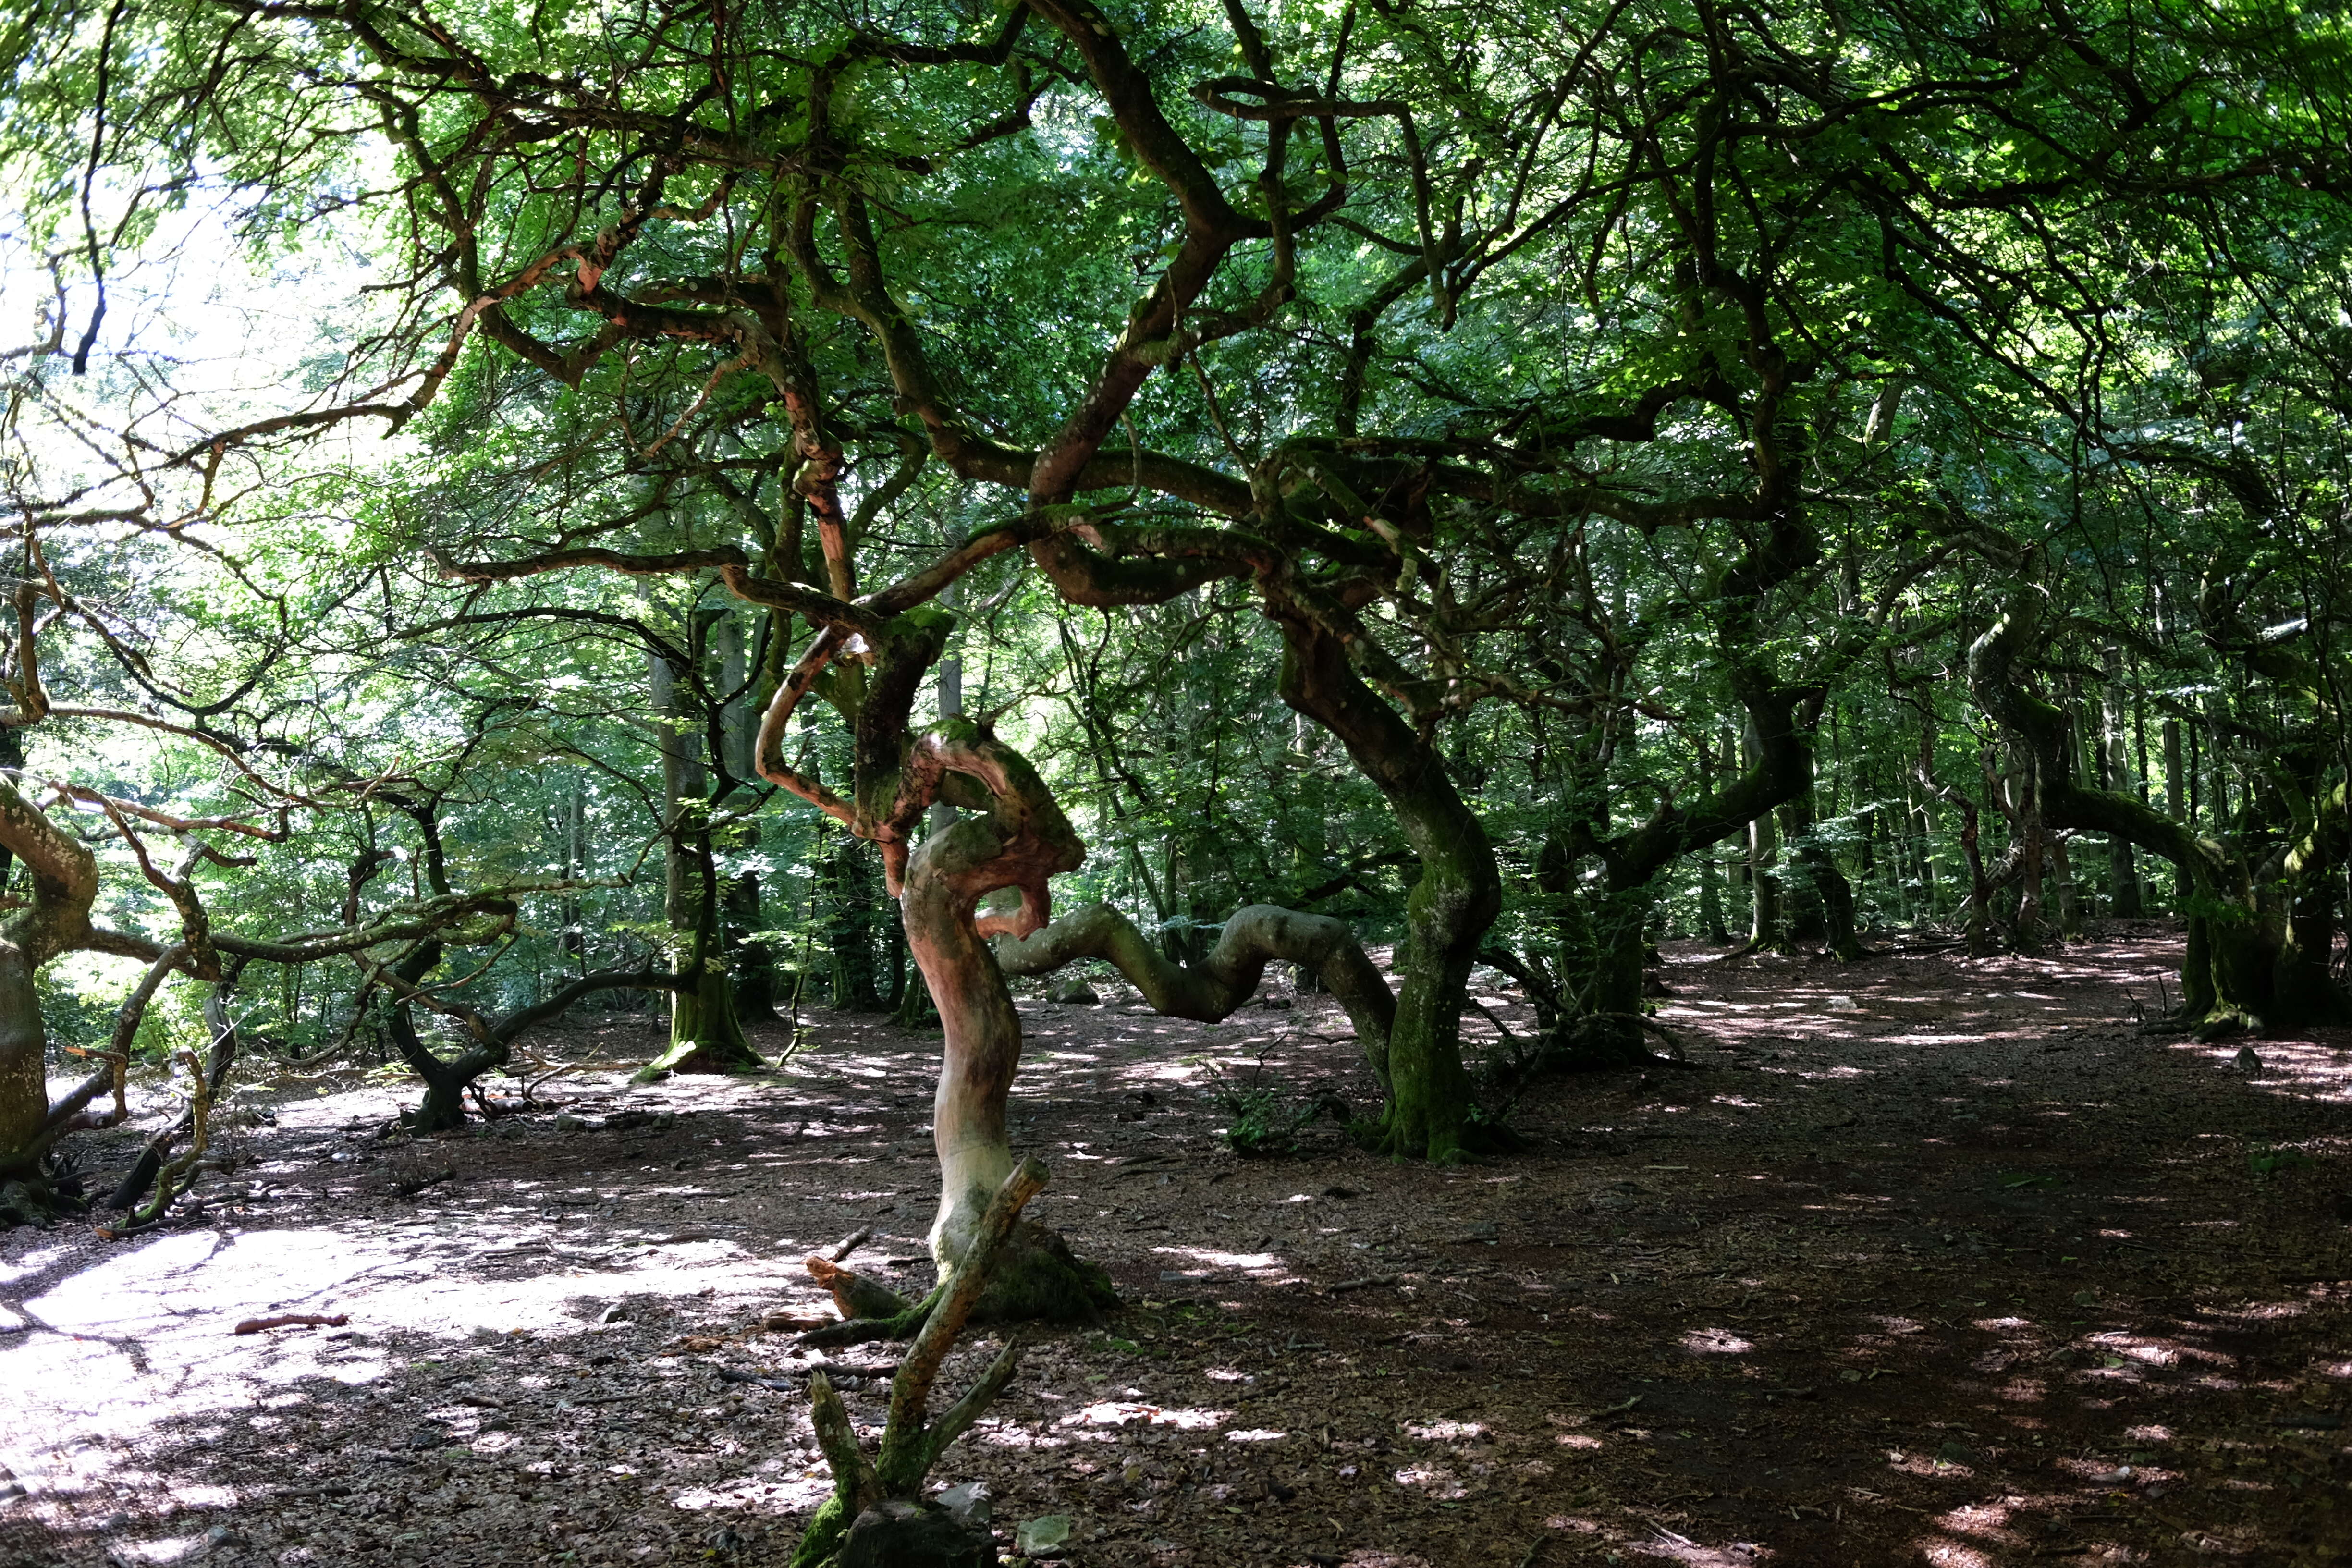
x=734 y=569
x=2040 y=728
x=1255 y=936
x=71 y=1115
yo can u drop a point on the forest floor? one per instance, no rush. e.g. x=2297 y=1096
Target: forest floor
x=1917 y=1260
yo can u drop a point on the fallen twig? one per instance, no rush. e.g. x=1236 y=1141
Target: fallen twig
x=291 y=1321
x=408 y=1186
x=781 y=1384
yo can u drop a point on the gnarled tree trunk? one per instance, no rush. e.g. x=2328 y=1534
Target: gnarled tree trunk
x=56 y=919
x=1446 y=914
x=2238 y=944
x=1020 y=841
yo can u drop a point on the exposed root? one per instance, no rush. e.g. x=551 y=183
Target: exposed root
x=42 y=1197
x=903 y=1325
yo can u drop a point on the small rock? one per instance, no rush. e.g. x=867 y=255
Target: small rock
x=1485 y=1230
x=2246 y=1060
x=969 y=1504
x=614 y=1314
x=1044 y=1536
x=1073 y=990
x=569 y=1123
x=1842 y=1005
x=899 y=1534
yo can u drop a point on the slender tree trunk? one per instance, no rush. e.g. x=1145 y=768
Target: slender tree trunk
x=852 y=894
x=1767 y=932
x=2026 y=801
x=1710 y=870
x=2062 y=878
x=1823 y=913
x=751 y=963
x=705 y=1033
x=2176 y=802
x=1923 y=819
x=2123 y=869
x=1710 y=897
x=575 y=865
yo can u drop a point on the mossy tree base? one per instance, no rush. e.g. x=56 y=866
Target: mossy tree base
x=705 y=1035
x=442 y=1109
x=40 y=1196
x=1037 y=1278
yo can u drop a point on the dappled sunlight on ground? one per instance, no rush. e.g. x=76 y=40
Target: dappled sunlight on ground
x=1920 y=1260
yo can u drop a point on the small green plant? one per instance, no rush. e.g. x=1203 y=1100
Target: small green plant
x=1264 y=1118
x=2265 y=1161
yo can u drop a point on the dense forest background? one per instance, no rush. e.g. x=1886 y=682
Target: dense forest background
x=1516 y=481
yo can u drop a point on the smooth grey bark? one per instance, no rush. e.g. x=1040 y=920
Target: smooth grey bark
x=1255 y=936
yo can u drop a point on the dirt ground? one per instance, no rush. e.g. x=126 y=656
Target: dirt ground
x=1920 y=1260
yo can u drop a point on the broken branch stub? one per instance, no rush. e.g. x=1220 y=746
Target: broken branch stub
x=910 y=1392
x=876 y=1501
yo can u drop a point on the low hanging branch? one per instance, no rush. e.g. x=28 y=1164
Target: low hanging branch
x=1255 y=936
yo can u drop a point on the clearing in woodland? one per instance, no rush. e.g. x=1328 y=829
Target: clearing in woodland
x=1926 y=1260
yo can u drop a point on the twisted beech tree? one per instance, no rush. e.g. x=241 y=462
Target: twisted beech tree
x=1443 y=335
